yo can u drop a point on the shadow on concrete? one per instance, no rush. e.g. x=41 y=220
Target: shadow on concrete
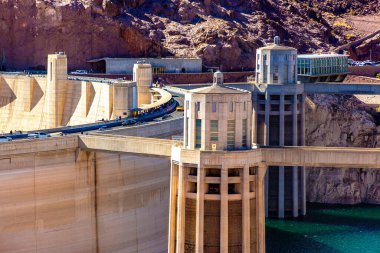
x=73 y=95
x=37 y=93
x=90 y=96
x=7 y=95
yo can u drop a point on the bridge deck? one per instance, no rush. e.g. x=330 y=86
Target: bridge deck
x=322 y=157
x=272 y=156
x=126 y=144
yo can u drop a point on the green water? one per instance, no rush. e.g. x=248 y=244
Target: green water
x=327 y=229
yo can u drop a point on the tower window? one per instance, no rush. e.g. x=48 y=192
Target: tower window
x=252 y=170
x=265 y=74
x=233 y=189
x=213 y=106
x=286 y=74
x=213 y=189
x=231 y=106
x=245 y=106
x=193 y=171
x=230 y=134
x=214 y=129
x=198 y=133
x=212 y=172
x=198 y=106
x=275 y=74
x=244 y=133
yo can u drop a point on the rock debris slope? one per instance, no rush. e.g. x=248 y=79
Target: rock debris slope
x=225 y=33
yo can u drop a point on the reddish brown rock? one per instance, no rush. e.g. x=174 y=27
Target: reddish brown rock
x=347 y=122
x=224 y=33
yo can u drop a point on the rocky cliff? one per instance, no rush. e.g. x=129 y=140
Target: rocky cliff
x=225 y=33
x=333 y=120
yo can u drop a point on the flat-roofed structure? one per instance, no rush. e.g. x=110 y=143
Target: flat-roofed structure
x=159 y=65
x=322 y=67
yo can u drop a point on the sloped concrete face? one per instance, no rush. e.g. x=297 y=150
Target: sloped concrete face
x=77 y=201
x=133 y=203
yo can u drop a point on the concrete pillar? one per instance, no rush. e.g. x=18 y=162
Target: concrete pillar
x=303 y=143
x=302 y=114
x=185 y=128
x=282 y=121
x=224 y=210
x=173 y=203
x=295 y=168
x=254 y=117
x=267 y=117
x=303 y=190
x=55 y=89
x=266 y=142
x=142 y=75
x=246 y=222
x=260 y=222
x=281 y=192
x=281 y=172
x=199 y=222
x=180 y=247
x=266 y=191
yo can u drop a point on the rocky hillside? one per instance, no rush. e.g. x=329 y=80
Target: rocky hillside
x=347 y=122
x=225 y=33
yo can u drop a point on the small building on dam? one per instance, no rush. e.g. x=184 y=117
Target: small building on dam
x=159 y=65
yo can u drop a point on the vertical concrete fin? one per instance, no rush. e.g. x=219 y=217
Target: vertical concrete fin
x=90 y=95
x=110 y=99
x=28 y=94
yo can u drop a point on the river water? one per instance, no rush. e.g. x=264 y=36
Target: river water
x=327 y=229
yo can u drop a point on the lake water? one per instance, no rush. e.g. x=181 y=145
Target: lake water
x=327 y=229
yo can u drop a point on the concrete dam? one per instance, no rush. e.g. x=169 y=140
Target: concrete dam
x=31 y=102
x=116 y=191
x=56 y=197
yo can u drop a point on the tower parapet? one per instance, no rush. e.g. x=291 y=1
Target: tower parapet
x=276 y=64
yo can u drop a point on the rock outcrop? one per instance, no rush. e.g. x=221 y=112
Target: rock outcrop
x=345 y=121
x=224 y=33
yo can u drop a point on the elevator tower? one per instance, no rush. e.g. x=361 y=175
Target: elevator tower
x=279 y=119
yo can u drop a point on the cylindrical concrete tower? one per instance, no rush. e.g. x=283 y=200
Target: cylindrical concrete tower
x=55 y=88
x=123 y=98
x=142 y=75
x=279 y=121
x=215 y=190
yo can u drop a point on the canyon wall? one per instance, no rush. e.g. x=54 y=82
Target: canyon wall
x=335 y=120
x=224 y=33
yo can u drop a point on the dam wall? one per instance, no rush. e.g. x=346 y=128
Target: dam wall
x=25 y=105
x=162 y=129
x=55 y=197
